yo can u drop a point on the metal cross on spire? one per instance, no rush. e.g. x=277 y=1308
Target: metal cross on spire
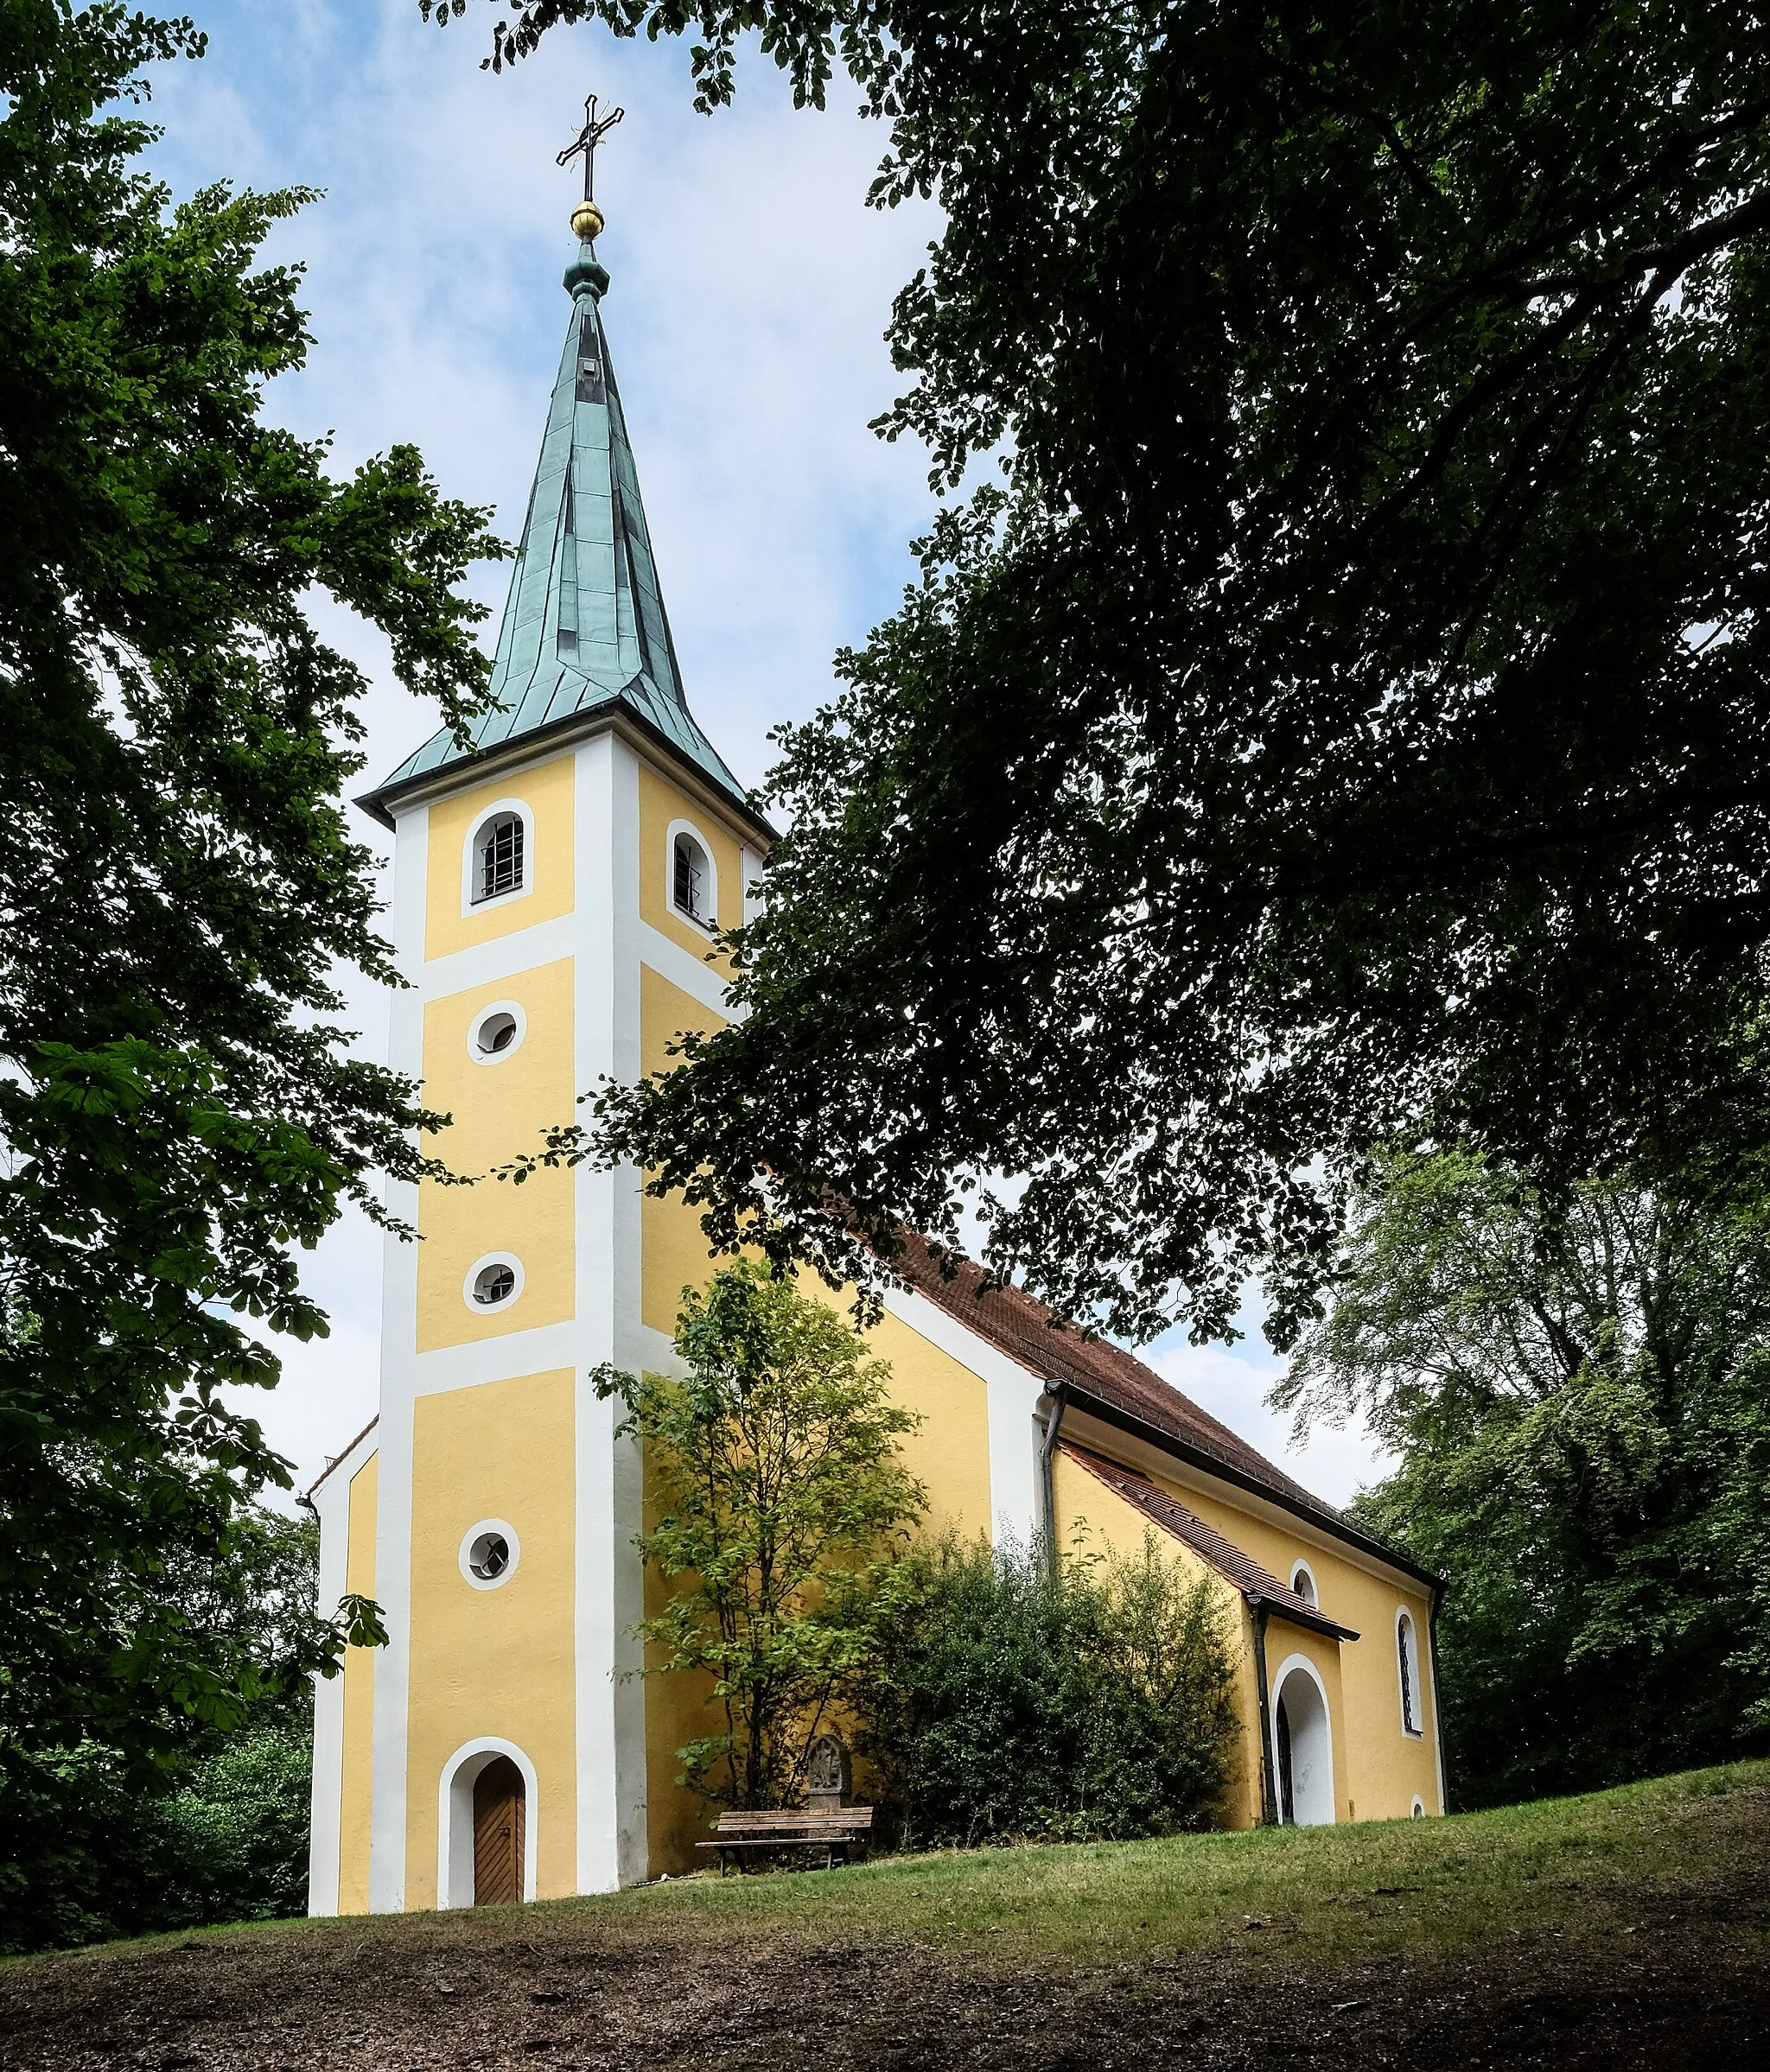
x=587 y=139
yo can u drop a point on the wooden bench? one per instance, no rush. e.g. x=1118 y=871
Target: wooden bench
x=837 y=1833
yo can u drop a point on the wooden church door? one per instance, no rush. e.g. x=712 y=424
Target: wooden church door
x=499 y=1810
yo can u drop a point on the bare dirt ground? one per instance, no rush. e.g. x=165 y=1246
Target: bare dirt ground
x=437 y=1999
x=1628 y=1931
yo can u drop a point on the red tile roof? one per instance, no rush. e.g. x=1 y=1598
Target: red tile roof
x=1259 y=1586
x=1116 y=1381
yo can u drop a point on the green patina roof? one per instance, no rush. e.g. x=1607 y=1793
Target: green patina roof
x=584 y=625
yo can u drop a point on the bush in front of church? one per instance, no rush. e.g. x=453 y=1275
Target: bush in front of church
x=1021 y=1705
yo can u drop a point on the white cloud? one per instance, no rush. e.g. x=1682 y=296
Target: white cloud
x=751 y=290
x=1232 y=1383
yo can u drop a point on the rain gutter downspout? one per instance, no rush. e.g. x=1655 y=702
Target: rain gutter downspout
x=1059 y=1393
x=1269 y=1806
x=1437 y=1709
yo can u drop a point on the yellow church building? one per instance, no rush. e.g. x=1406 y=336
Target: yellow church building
x=557 y=891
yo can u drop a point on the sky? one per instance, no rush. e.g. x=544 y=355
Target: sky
x=751 y=289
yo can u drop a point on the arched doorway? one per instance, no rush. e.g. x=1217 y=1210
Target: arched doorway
x=500 y=1811
x=461 y=1801
x=1303 y=1748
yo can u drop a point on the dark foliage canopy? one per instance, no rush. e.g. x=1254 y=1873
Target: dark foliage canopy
x=178 y=1108
x=1345 y=723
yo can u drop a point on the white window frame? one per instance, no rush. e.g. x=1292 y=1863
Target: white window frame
x=454 y=1818
x=507 y=1531
x=492 y=1309
x=511 y=1007
x=469 y=857
x=1299 y=1568
x=1403 y=1617
x=687 y=827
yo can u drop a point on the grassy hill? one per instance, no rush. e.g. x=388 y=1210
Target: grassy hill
x=1628 y=1928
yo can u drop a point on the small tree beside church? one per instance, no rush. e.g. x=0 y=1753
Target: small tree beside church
x=781 y=1503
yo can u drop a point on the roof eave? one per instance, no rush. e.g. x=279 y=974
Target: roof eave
x=1315 y=1622
x=1083 y=1398
x=589 y=719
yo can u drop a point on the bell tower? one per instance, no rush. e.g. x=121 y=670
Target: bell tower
x=559 y=882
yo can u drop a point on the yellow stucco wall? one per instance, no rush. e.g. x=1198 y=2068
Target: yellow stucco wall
x=1378 y=1769
x=673 y=1250
x=661 y=802
x=950 y=1452
x=546 y=791
x=677 y=1713
x=359 y=1700
x=494 y=1662
x=500 y=1111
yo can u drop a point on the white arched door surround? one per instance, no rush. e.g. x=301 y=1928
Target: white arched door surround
x=454 y=1818
x=1303 y=1744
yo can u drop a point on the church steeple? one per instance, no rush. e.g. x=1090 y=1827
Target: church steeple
x=584 y=625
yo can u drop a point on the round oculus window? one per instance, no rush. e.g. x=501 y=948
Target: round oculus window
x=493 y=1285
x=489 y=1553
x=494 y=1282
x=497 y=1032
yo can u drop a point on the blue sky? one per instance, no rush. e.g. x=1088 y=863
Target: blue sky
x=751 y=288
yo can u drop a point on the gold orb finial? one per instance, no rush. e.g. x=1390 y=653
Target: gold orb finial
x=587 y=222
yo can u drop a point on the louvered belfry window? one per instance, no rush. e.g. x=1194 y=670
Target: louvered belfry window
x=690 y=879
x=500 y=859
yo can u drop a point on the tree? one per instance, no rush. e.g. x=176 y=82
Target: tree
x=1017 y=1702
x=95 y=1844
x=780 y=1493
x=1580 y=1395
x=1346 y=723
x=179 y=1110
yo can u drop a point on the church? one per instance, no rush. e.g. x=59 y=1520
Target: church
x=559 y=887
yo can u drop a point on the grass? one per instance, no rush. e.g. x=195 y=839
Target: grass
x=1608 y=1864
x=1611 y=1866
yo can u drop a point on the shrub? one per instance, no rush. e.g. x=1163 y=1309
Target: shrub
x=1017 y=1705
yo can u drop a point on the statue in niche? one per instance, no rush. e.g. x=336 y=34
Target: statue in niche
x=828 y=1775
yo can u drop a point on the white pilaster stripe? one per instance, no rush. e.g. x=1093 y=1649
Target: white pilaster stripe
x=1012 y=1397
x=593 y=1057
x=632 y=1850
x=701 y=981
x=398 y=1338
x=333 y=1503
x=506 y=1357
x=504 y=956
